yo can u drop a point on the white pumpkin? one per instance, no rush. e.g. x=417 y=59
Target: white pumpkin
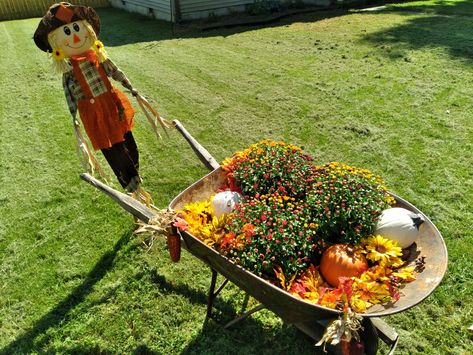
x=400 y=225
x=224 y=202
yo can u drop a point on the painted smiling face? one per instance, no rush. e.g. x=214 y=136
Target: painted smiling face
x=73 y=38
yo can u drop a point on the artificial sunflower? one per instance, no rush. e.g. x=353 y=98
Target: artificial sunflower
x=198 y=208
x=385 y=251
x=197 y=215
x=212 y=232
x=202 y=224
x=98 y=45
x=99 y=48
x=58 y=54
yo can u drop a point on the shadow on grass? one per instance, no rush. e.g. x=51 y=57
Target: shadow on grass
x=165 y=286
x=213 y=338
x=443 y=26
x=120 y=28
x=98 y=349
x=440 y=7
x=26 y=342
x=205 y=342
x=239 y=339
x=222 y=311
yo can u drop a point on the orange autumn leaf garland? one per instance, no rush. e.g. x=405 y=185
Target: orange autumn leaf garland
x=378 y=284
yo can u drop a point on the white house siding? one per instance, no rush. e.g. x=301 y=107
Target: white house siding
x=160 y=9
x=191 y=9
x=195 y=9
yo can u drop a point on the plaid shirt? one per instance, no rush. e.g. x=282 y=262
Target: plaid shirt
x=74 y=92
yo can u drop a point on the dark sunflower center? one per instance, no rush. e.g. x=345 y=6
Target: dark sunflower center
x=381 y=249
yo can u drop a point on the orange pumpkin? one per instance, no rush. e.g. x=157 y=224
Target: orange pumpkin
x=341 y=260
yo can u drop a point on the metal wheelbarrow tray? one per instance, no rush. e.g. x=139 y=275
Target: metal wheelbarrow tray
x=290 y=309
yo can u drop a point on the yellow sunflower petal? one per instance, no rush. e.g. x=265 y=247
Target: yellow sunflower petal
x=380 y=249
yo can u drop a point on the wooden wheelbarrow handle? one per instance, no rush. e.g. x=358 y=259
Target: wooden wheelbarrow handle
x=129 y=204
x=199 y=150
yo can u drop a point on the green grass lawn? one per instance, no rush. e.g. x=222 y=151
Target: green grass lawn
x=390 y=91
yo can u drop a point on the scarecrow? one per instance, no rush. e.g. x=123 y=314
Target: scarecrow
x=69 y=33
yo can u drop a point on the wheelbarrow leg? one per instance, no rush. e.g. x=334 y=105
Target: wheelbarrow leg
x=245 y=315
x=369 y=337
x=212 y=293
x=386 y=333
x=211 y=297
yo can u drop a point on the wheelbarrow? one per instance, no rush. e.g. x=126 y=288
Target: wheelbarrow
x=308 y=317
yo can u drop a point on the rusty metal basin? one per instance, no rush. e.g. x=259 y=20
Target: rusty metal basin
x=292 y=309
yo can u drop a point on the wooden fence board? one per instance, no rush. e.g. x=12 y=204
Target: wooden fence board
x=17 y=9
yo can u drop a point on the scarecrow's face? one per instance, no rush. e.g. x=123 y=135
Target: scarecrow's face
x=73 y=38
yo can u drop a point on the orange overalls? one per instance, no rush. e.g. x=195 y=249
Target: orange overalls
x=107 y=116
x=105 y=112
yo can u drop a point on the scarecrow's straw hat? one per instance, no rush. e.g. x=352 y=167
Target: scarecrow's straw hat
x=59 y=15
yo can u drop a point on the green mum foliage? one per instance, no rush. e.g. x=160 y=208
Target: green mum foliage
x=346 y=202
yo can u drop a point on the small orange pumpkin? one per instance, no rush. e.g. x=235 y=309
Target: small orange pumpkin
x=341 y=260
